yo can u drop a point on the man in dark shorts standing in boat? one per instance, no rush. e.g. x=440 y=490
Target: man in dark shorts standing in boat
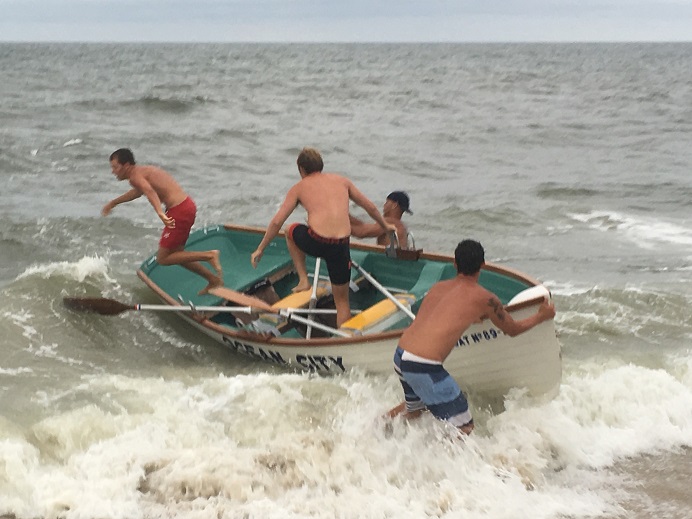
x=448 y=309
x=160 y=188
x=325 y=197
x=396 y=204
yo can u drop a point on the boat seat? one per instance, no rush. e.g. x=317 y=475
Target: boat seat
x=430 y=274
x=302 y=299
x=379 y=316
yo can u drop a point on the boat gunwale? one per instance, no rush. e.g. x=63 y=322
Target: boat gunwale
x=435 y=256
x=333 y=341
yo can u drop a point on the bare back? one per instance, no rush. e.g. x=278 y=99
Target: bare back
x=449 y=308
x=325 y=197
x=168 y=190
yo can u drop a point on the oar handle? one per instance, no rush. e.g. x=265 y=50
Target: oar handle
x=239 y=309
x=290 y=315
x=193 y=308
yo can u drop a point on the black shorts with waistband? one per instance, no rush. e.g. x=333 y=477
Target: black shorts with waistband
x=335 y=251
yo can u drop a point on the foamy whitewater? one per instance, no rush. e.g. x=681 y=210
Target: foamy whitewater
x=568 y=162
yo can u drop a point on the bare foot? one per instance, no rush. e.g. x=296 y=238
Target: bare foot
x=216 y=264
x=216 y=282
x=397 y=410
x=302 y=287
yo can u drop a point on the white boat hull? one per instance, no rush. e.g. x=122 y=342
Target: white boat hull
x=485 y=360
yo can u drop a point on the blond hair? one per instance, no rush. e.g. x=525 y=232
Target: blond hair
x=310 y=160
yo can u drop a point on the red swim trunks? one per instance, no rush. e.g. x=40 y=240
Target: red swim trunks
x=184 y=215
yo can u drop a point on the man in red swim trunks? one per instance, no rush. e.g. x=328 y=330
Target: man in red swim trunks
x=161 y=188
x=325 y=197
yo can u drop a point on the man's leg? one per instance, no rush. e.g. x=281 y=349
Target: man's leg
x=454 y=410
x=400 y=409
x=191 y=261
x=343 y=309
x=466 y=429
x=411 y=399
x=298 y=257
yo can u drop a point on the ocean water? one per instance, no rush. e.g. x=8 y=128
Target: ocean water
x=570 y=162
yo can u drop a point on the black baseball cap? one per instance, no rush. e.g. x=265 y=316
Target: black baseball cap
x=401 y=198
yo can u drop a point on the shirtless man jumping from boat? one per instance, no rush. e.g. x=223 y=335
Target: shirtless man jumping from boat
x=161 y=188
x=325 y=197
x=450 y=307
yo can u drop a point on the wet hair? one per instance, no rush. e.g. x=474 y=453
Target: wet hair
x=310 y=160
x=469 y=256
x=402 y=200
x=123 y=156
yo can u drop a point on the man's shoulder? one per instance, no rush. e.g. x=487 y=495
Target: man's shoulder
x=148 y=169
x=335 y=177
x=458 y=284
x=443 y=286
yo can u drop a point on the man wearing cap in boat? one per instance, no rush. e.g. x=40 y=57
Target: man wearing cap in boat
x=449 y=308
x=396 y=204
x=325 y=197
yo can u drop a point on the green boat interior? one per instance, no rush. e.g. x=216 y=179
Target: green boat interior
x=275 y=276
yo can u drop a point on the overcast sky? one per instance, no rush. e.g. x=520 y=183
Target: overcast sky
x=346 y=20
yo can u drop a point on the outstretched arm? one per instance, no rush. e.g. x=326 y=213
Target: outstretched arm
x=501 y=318
x=370 y=208
x=360 y=229
x=288 y=206
x=132 y=194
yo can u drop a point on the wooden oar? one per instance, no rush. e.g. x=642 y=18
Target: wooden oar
x=384 y=291
x=112 y=307
x=105 y=306
x=302 y=320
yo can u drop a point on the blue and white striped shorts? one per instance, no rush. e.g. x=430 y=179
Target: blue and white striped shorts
x=428 y=385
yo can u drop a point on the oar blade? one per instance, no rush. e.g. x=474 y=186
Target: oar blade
x=99 y=305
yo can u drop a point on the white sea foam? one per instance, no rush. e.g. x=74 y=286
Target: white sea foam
x=72 y=142
x=88 y=266
x=564 y=288
x=295 y=446
x=645 y=232
x=16 y=371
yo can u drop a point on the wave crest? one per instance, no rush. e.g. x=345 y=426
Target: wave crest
x=88 y=266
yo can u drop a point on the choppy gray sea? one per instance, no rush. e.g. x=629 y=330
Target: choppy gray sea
x=570 y=162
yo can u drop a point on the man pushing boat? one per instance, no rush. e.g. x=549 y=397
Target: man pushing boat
x=325 y=197
x=447 y=310
x=160 y=188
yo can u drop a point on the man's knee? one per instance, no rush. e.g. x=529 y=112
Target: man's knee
x=162 y=259
x=288 y=232
x=163 y=256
